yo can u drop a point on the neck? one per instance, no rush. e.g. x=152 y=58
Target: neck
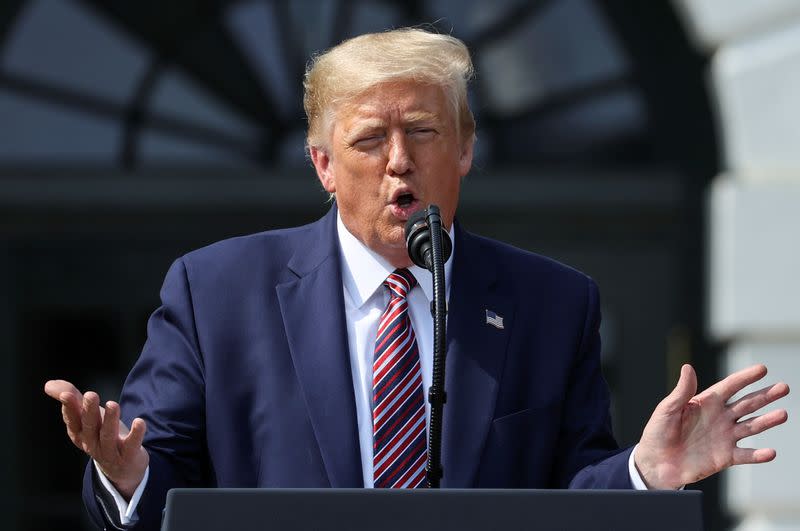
x=398 y=260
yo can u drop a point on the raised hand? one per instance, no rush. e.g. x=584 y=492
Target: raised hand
x=100 y=433
x=690 y=437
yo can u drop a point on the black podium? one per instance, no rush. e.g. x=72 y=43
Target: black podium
x=438 y=509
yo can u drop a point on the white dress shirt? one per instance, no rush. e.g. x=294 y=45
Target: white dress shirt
x=365 y=299
x=363 y=273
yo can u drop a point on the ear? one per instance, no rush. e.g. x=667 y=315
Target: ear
x=465 y=157
x=322 y=163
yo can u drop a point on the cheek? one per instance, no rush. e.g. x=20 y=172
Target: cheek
x=361 y=194
x=453 y=189
x=446 y=191
x=362 y=173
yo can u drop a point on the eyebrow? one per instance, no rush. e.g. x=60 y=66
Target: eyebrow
x=362 y=126
x=420 y=116
x=368 y=124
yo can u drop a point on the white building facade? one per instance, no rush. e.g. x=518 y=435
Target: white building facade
x=754 y=227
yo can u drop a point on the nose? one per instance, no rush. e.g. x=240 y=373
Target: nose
x=400 y=160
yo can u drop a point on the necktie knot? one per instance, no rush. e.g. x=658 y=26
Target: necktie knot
x=400 y=282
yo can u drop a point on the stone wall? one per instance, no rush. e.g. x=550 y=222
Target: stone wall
x=754 y=227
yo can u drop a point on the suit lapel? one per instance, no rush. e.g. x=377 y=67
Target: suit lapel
x=476 y=353
x=313 y=316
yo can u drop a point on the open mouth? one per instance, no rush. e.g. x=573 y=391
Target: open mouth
x=405 y=200
x=405 y=205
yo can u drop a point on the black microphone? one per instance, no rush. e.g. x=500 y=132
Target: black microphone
x=429 y=246
x=418 y=239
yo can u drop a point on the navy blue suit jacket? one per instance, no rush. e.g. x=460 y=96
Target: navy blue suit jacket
x=245 y=378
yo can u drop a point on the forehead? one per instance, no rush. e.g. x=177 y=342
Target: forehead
x=406 y=100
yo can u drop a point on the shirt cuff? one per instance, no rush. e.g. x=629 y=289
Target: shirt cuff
x=127 y=509
x=636 y=478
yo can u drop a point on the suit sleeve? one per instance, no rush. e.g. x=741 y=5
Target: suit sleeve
x=590 y=457
x=166 y=389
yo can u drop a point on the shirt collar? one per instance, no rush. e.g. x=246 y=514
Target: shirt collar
x=364 y=270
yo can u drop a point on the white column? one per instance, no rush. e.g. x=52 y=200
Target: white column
x=754 y=232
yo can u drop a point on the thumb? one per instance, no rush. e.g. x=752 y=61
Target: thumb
x=684 y=390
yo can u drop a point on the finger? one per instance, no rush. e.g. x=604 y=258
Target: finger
x=756 y=425
x=90 y=420
x=757 y=399
x=109 y=433
x=55 y=388
x=750 y=456
x=737 y=381
x=684 y=390
x=71 y=407
x=133 y=441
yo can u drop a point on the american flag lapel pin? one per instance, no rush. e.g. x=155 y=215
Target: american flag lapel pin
x=494 y=320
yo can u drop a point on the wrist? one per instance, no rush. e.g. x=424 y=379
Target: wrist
x=126 y=488
x=125 y=482
x=655 y=475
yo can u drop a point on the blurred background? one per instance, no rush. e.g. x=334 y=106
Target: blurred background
x=652 y=145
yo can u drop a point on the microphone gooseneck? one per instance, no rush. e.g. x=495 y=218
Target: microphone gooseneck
x=429 y=246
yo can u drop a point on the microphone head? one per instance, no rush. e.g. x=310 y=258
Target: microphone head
x=418 y=237
x=418 y=240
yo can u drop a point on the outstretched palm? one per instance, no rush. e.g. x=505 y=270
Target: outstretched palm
x=690 y=437
x=100 y=433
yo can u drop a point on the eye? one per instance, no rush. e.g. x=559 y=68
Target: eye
x=422 y=133
x=368 y=141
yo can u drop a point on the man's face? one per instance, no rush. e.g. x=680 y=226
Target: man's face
x=393 y=151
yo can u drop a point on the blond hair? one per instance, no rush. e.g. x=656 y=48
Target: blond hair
x=358 y=64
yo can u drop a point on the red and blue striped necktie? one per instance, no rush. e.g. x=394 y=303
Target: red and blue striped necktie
x=398 y=406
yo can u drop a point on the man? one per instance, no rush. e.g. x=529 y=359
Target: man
x=300 y=357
